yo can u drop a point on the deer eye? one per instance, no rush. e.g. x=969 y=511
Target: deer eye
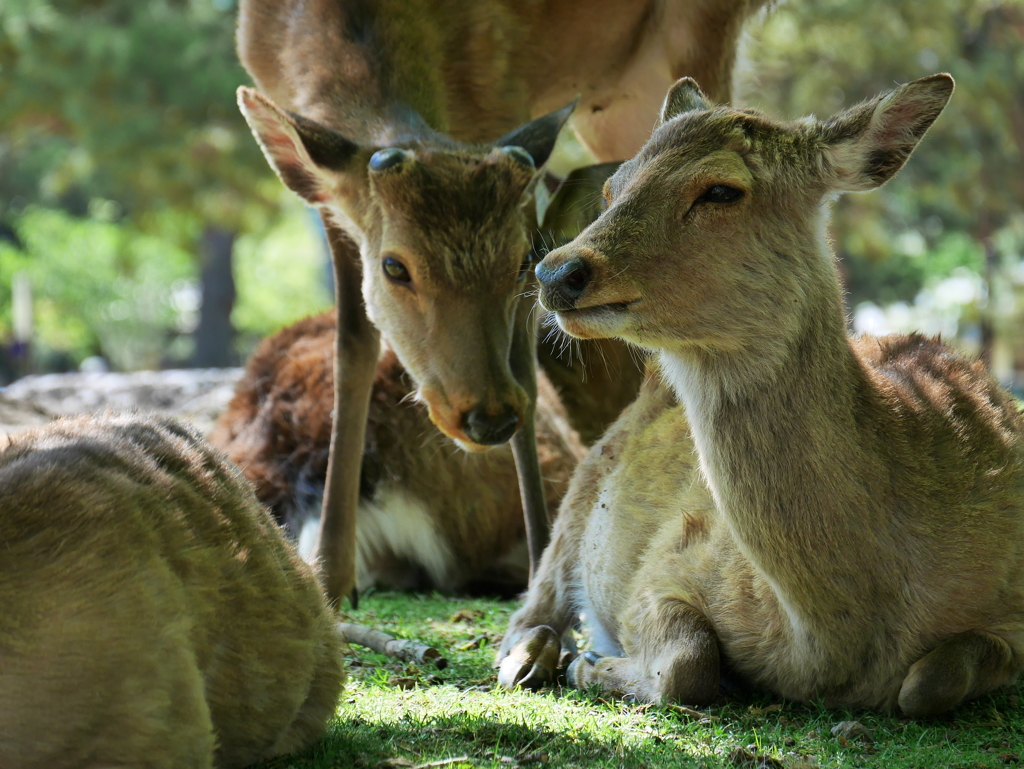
x=720 y=193
x=395 y=270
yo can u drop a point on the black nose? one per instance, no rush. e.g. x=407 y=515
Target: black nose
x=488 y=429
x=563 y=285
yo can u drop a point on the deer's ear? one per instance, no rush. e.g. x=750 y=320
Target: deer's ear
x=538 y=136
x=684 y=96
x=867 y=144
x=303 y=153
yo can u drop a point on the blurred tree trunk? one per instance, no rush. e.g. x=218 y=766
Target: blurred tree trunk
x=214 y=336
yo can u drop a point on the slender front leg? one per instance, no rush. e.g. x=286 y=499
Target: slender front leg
x=523 y=361
x=356 y=349
x=534 y=639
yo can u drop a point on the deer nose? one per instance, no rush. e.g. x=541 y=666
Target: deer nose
x=563 y=285
x=490 y=429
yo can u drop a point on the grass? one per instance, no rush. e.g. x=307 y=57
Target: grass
x=395 y=715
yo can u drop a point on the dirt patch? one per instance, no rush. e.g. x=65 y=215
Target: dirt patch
x=194 y=395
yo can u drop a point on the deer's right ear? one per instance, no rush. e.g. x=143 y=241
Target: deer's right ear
x=538 y=136
x=684 y=96
x=303 y=153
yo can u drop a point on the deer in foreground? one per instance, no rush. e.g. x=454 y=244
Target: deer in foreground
x=835 y=519
x=153 y=614
x=386 y=116
x=430 y=515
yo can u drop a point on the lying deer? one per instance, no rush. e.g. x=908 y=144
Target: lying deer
x=387 y=118
x=430 y=516
x=836 y=519
x=153 y=615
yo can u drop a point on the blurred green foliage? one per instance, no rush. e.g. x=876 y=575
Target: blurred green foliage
x=130 y=101
x=120 y=143
x=100 y=287
x=957 y=208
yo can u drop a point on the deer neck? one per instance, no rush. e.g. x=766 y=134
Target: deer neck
x=355 y=82
x=780 y=429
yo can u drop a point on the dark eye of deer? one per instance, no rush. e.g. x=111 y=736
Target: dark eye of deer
x=395 y=270
x=720 y=193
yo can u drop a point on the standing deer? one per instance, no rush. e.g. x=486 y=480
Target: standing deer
x=430 y=515
x=834 y=518
x=153 y=615
x=386 y=115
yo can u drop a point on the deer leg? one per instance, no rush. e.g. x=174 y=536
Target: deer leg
x=523 y=362
x=961 y=667
x=357 y=346
x=541 y=630
x=707 y=52
x=678 y=661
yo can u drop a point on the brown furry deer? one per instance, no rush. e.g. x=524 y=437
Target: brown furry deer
x=834 y=518
x=429 y=514
x=152 y=613
x=386 y=116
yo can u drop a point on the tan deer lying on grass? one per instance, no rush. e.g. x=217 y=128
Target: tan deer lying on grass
x=394 y=113
x=429 y=514
x=151 y=613
x=834 y=518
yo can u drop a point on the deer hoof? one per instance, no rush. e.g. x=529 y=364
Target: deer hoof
x=576 y=674
x=533 y=660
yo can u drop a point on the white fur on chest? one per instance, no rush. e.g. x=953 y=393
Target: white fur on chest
x=598 y=583
x=393 y=525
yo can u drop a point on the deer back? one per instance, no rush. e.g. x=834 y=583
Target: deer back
x=151 y=605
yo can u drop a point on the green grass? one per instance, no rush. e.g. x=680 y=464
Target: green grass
x=460 y=711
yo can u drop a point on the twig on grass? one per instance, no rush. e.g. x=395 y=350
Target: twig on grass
x=403 y=649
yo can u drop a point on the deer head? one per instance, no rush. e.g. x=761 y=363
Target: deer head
x=443 y=231
x=713 y=241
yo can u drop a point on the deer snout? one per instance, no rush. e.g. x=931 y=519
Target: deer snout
x=490 y=429
x=562 y=283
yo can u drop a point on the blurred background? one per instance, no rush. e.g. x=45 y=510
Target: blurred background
x=140 y=227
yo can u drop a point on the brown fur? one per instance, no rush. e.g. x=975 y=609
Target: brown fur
x=842 y=519
x=442 y=80
x=153 y=615
x=277 y=429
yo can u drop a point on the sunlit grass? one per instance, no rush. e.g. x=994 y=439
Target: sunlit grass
x=460 y=712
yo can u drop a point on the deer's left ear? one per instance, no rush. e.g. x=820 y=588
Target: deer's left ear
x=867 y=144
x=684 y=96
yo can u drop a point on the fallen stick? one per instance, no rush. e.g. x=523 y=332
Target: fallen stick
x=405 y=650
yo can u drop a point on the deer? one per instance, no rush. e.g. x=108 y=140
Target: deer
x=832 y=518
x=153 y=613
x=430 y=516
x=419 y=131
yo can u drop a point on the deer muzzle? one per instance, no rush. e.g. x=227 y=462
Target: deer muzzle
x=562 y=282
x=467 y=380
